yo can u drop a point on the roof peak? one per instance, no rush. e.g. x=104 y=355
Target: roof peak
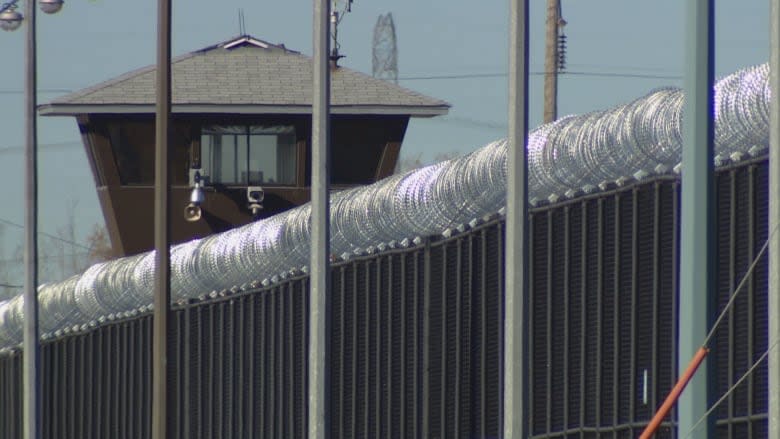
x=245 y=40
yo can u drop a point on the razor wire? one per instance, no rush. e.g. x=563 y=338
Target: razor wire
x=571 y=155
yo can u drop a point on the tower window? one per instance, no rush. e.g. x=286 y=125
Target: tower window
x=249 y=155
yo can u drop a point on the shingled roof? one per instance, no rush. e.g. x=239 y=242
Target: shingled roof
x=245 y=75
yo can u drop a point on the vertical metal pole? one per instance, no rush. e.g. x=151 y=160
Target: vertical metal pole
x=319 y=422
x=162 y=189
x=774 y=220
x=515 y=415
x=30 y=341
x=698 y=214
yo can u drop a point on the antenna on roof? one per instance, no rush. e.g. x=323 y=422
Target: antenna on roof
x=335 y=19
x=241 y=24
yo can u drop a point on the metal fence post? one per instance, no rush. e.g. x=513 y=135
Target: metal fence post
x=319 y=425
x=31 y=343
x=698 y=215
x=774 y=221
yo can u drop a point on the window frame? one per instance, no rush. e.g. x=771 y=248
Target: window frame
x=248 y=130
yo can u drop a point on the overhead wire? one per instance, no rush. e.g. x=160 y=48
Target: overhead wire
x=702 y=352
x=610 y=74
x=732 y=389
x=40 y=91
x=540 y=73
x=48 y=235
x=9 y=149
x=742 y=283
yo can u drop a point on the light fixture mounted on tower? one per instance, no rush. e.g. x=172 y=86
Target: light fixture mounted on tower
x=10 y=20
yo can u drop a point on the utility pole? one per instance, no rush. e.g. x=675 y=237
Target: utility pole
x=162 y=191
x=551 y=60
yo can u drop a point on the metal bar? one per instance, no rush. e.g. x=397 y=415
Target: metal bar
x=162 y=190
x=116 y=386
x=656 y=292
x=774 y=221
x=283 y=397
x=290 y=366
x=444 y=305
x=634 y=301
x=566 y=311
x=135 y=373
x=530 y=325
x=354 y=369
x=529 y=428
x=501 y=335
x=276 y=347
x=404 y=389
x=583 y=309
x=389 y=359
x=71 y=385
x=548 y=322
x=732 y=254
x=367 y=346
x=100 y=382
x=264 y=400
x=319 y=379
x=675 y=369
x=516 y=296
x=211 y=392
x=751 y=290
x=56 y=404
x=224 y=356
x=426 y=381
x=483 y=294
x=124 y=377
x=616 y=315
x=252 y=340
x=186 y=377
x=600 y=311
x=697 y=248
x=378 y=342
x=342 y=351
x=459 y=297
x=416 y=325
x=471 y=295
x=31 y=346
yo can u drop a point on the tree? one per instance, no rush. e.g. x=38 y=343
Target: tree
x=100 y=246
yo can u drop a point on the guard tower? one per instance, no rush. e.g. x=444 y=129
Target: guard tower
x=241 y=136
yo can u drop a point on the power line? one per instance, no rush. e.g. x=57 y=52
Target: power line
x=10 y=286
x=48 y=235
x=47 y=257
x=10 y=149
x=540 y=73
x=40 y=91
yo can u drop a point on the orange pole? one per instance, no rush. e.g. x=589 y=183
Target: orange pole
x=666 y=407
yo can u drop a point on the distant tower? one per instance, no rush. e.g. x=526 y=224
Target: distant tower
x=385 y=51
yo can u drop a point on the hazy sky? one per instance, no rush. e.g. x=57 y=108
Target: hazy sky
x=617 y=50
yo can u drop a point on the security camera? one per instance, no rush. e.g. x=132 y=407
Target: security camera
x=254 y=197
x=192 y=212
